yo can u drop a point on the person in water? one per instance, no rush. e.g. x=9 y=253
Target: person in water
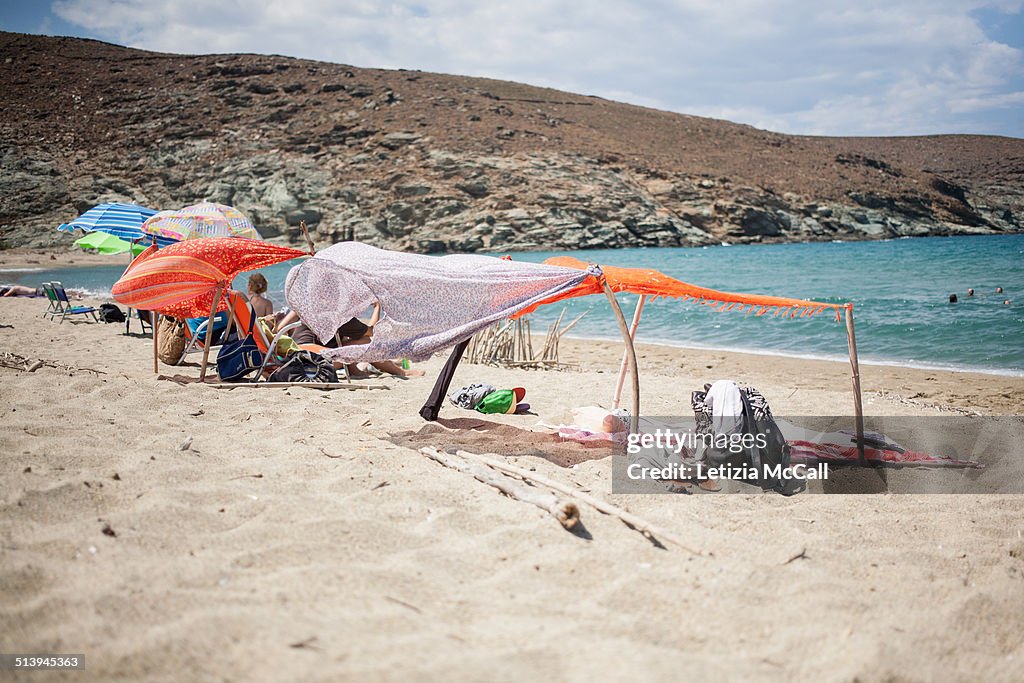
x=970 y=292
x=952 y=298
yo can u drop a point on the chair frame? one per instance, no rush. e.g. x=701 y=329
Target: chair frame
x=66 y=306
x=54 y=308
x=272 y=350
x=195 y=345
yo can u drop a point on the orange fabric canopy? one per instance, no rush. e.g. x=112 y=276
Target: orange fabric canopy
x=182 y=279
x=654 y=284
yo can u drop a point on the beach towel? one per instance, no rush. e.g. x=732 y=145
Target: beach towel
x=427 y=303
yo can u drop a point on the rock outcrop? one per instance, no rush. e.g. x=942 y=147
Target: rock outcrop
x=433 y=163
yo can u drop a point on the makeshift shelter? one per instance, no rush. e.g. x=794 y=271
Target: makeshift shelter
x=428 y=303
x=187 y=279
x=650 y=283
x=432 y=303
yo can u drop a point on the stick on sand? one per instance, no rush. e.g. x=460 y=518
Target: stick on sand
x=565 y=511
x=650 y=531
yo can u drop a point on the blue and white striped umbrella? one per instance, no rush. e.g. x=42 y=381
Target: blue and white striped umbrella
x=121 y=220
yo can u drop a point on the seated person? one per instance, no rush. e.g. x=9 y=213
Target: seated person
x=354 y=331
x=256 y=288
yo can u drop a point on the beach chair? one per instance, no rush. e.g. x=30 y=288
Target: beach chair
x=244 y=317
x=66 y=308
x=53 y=308
x=145 y=319
x=196 y=333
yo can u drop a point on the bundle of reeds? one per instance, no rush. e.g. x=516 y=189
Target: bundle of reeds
x=509 y=343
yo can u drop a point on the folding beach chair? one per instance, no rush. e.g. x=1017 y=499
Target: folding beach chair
x=245 y=317
x=145 y=319
x=65 y=304
x=196 y=333
x=53 y=308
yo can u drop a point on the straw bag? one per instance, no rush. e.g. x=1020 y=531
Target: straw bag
x=170 y=341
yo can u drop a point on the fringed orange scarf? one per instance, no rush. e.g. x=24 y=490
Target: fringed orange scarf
x=654 y=284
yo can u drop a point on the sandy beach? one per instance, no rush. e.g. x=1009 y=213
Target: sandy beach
x=173 y=531
x=52 y=257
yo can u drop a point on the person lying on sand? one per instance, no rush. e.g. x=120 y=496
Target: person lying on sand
x=354 y=331
x=20 y=290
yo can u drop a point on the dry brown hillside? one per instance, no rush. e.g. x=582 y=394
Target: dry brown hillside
x=434 y=162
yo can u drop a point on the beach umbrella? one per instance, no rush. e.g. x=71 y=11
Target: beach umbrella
x=105 y=243
x=118 y=219
x=201 y=220
x=186 y=280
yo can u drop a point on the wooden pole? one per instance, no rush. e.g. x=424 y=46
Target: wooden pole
x=305 y=233
x=858 y=407
x=617 y=397
x=231 y=318
x=209 y=333
x=634 y=418
x=154 y=320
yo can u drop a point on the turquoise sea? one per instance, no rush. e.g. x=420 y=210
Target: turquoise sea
x=900 y=290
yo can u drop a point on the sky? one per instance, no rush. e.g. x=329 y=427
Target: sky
x=825 y=67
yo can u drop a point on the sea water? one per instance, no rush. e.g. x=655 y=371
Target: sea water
x=899 y=288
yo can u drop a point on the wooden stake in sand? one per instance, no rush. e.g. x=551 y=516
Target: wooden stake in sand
x=858 y=408
x=565 y=511
x=649 y=531
x=634 y=418
x=154 y=319
x=305 y=233
x=617 y=398
x=209 y=332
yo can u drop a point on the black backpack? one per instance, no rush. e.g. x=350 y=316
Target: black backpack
x=774 y=458
x=109 y=313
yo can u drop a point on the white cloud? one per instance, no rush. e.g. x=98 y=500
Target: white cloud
x=874 y=67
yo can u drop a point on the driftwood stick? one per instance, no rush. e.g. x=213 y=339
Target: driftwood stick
x=178 y=379
x=858 y=408
x=547 y=343
x=617 y=396
x=208 y=342
x=634 y=417
x=305 y=234
x=570 y=325
x=565 y=511
x=649 y=531
x=559 y=321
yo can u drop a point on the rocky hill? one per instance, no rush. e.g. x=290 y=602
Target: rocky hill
x=431 y=162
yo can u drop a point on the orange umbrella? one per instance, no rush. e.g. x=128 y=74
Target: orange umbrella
x=185 y=280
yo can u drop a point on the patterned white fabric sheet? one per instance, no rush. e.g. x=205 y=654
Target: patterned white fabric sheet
x=428 y=303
